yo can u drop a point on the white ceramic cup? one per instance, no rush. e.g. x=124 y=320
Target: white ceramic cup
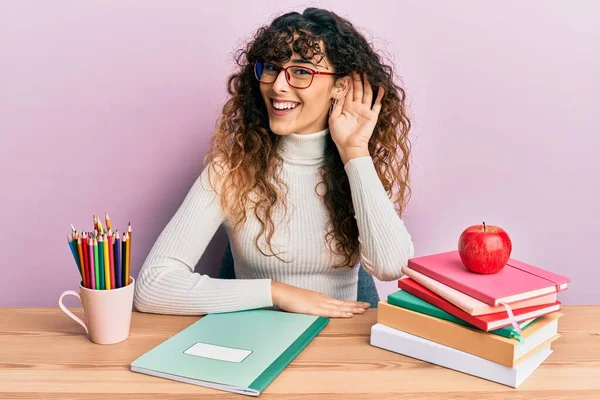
x=107 y=312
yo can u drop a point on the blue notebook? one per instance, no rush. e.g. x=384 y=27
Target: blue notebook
x=240 y=352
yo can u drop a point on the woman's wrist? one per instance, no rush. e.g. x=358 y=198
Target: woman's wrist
x=275 y=290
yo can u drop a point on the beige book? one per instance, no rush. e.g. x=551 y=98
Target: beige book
x=502 y=350
x=468 y=304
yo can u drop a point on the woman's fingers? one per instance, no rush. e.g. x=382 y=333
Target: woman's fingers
x=377 y=106
x=326 y=312
x=358 y=87
x=368 y=96
x=348 y=302
x=344 y=308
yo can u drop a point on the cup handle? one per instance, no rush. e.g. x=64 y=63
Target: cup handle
x=69 y=313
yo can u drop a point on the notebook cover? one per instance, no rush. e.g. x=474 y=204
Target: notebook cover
x=495 y=348
x=271 y=338
x=402 y=298
x=409 y=345
x=480 y=321
x=515 y=278
x=469 y=304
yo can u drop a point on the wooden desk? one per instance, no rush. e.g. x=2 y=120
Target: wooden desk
x=46 y=355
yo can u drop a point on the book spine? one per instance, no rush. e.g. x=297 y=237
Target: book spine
x=425 y=281
x=271 y=372
x=438 y=312
x=482 y=344
x=454 y=359
x=457 y=312
x=479 y=295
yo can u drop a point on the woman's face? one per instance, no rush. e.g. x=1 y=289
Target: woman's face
x=311 y=112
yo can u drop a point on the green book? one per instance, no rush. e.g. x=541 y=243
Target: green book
x=240 y=352
x=402 y=298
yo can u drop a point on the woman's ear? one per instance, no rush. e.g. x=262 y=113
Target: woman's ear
x=341 y=87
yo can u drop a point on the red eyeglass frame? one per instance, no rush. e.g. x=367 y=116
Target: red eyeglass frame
x=287 y=76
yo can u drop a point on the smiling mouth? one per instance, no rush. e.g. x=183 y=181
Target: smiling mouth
x=282 y=112
x=295 y=104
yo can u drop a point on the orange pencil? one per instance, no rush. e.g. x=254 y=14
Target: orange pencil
x=107 y=218
x=127 y=257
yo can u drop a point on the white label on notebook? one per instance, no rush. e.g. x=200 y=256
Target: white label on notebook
x=218 y=352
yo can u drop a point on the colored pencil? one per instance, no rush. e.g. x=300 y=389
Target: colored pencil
x=123 y=255
x=118 y=264
x=92 y=266
x=86 y=261
x=128 y=265
x=73 y=247
x=107 y=219
x=106 y=262
x=80 y=254
x=74 y=250
x=111 y=258
x=96 y=262
x=101 y=259
x=100 y=227
x=99 y=276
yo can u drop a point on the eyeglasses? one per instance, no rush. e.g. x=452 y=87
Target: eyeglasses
x=297 y=77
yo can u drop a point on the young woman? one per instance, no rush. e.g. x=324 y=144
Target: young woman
x=301 y=174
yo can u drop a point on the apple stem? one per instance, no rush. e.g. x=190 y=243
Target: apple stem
x=484 y=226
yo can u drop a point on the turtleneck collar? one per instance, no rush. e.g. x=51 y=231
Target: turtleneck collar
x=307 y=149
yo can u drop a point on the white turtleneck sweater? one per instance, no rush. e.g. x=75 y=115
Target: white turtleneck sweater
x=168 y=284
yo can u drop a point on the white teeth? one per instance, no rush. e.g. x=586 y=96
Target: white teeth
x=284 y=105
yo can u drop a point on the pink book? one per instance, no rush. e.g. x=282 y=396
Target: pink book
x=469 y=304
x=517 y=281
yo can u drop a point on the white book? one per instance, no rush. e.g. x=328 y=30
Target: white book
x=398 y=341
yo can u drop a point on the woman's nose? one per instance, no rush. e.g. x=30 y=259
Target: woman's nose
x=281 y=82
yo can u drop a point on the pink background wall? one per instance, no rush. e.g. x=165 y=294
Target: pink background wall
x=110 y=106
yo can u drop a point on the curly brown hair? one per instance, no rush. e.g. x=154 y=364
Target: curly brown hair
x=244 y=148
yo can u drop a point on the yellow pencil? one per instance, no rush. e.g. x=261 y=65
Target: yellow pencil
x=108 y=224
x=100 y=227
x=106 y=263
x=128 y=257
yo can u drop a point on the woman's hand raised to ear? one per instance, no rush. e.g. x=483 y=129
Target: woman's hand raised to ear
x=352 y=120
x=294 y=299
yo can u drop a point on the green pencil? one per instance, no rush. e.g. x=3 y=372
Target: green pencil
x=101 y=258
x=96 y=266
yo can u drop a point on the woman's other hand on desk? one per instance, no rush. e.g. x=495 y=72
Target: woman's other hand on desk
x=294 y=299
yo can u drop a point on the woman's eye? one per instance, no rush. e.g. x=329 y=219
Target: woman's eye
x=270 y=67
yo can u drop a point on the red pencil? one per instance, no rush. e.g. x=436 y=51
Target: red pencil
x=80 y=254
x=84 y=246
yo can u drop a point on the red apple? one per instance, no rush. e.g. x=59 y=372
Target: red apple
x=484 y=249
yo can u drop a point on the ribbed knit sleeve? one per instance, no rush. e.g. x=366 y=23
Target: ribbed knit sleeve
x=385 y=244
x=167 y=283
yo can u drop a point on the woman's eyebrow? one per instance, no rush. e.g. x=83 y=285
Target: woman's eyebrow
x=303 y=61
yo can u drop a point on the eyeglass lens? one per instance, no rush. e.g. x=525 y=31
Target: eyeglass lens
x=296 y=76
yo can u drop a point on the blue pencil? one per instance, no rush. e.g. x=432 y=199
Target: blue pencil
x=75 y=252
x=118 y=264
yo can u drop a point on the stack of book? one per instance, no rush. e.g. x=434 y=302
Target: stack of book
x=498 y=327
